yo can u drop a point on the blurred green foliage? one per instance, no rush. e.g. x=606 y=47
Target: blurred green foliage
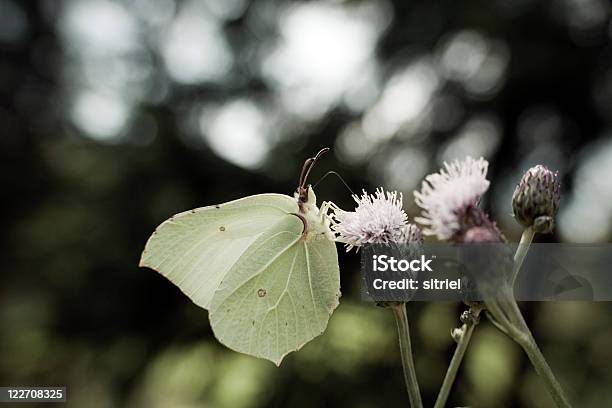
x=76 y=310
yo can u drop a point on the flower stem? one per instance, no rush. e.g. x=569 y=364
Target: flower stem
x=529 y=345
x=401 y=318
x=508 y=317
x=453 y=368
x=521 y=252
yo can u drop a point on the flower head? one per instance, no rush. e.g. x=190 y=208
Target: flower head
x=536 y=199
x=481 y=235
x=447 y=196
x=377 y=219
x=410 y=233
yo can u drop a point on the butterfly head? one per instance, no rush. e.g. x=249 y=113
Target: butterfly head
x=305 y=196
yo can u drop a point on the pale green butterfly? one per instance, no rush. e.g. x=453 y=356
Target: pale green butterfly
x=265 y=267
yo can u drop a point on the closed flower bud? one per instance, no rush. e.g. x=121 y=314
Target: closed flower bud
x=536 y=199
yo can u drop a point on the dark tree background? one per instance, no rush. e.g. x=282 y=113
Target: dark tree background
x=117 y=114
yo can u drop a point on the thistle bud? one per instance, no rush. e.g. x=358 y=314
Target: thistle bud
x=536 y=199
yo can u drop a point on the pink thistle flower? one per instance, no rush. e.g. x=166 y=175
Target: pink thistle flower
x=377 y=219
x=447 y=196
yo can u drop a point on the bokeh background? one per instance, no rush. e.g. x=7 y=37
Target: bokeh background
x=117 y=114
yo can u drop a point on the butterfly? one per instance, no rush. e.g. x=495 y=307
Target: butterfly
x=264 y=266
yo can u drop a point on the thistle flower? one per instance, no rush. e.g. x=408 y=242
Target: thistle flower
x=410 y=233
x=448 y=197
x=480 y=235
x=536 y=199
x=377 y=219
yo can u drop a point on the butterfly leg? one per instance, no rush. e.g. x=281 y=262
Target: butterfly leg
x=325 y=206
x=326 y=218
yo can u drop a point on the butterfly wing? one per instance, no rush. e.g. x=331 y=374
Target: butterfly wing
x=269 y=288
x=279 y=295
x=196 y=249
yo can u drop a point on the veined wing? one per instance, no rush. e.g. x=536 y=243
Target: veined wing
x=196 y=249
x=279 y=294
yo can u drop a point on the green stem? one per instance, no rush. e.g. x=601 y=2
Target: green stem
x=495 y=310
x=497 y=324
x=401 y=318
x=528 y=343
x=453 y=368
x=521 y=252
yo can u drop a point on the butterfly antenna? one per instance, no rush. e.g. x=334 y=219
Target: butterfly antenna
x=329 y=173
x=308 y=165
x=304 y=173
